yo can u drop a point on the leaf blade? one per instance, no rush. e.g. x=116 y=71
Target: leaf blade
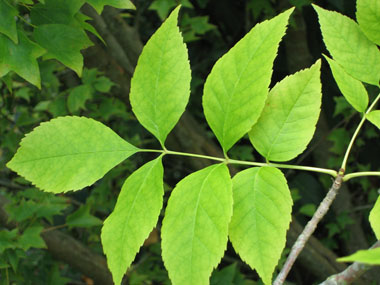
x=374 y=218
x=75 y=151
x=291 y=112
x=8 y=23
x=349 y=46
x=351 y=88
x=374 y=118
x=261 y=217
x=368 y=16
x=135 y=214
x=195 y=226
x=236 y=89
x=164 y=61
x=369 y=256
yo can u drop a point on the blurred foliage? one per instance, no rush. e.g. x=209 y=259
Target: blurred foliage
x=210 y=28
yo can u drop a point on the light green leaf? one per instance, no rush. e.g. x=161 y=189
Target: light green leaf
x=351 y=88
x=135 y=214
x=236 y=89
x=261 y=217
x=78 y=97
x=63 y=43
x=8 y=22
x=69 y=153
x=83 y=218
x=374 y=218
x=349 y=46
x=121 y=4
x=160 y=86
x=21 y=58
x=368 y=17
x=195 y=227
x=374 y=117
x=31 y=237
x=369 y=256
x=291 y=112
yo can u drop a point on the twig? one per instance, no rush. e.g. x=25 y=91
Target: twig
x=350 y=274
x=310 y=228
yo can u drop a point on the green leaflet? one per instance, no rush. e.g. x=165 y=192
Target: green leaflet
x=195 y=227
x=351 y=88
x=83 y=218
x=69 y=153
x=261 y=217
x=8 y=22
x=368 y=17
x=291 y=112
x=23 y=60
x=78 y=97
x=374 y=218
x=349 y=46
x=121 y=4
x=56 y=38
x=160 y=86
x=236 y=89
x=370 y=256
x=135 y=214
x=374 y=117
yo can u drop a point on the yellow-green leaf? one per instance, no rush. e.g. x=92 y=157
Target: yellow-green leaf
x=368 y=16
x=374 y=218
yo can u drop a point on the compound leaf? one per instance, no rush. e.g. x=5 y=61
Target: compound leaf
x=121 y=4
x=368 y=17
x=351 y=88
x=160 y=86
x=8 y=22
x=374 y=218
x=291 y=112
x=236 y=89
x=369 y=256
x=195 y=227
x=349 y=46
x=261 y=216
x=374 y=118
x=63 y=43
x=69 y=153
x=21 y=58
x=135 y=214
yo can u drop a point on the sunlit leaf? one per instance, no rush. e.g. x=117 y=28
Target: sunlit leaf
x=374 y=117
x=291 y=112
x=349 y=46
x=370 y=256
x=368 y=17
x=195 y=227
x=160 y=86
x=69 y=153
x=261 y=217
x=135 y=214
x=236 y=89
x=374 y=218
x=351 y=88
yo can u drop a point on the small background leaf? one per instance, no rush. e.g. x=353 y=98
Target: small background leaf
x=69 y=153
x=83 y=218
x=160 y=86
x=261 y=217
x=136 y=213
x=236 y=89
x=370 y=256
x=195 y=227
x=349 y=46
x=291 y=112
x=351 y=88
x=368 y=17
x=374 y=117
x=374 y=218
x=121 y=4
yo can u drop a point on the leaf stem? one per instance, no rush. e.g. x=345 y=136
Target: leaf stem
x=359 y=174
x=344 y=162
x=331 y=172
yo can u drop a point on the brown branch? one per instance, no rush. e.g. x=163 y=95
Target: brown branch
x=351 y=273
x=310 y=228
